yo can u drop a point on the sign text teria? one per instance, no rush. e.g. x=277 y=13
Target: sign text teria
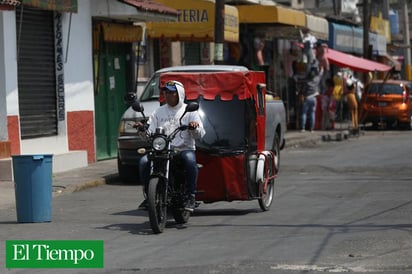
x=193 y=15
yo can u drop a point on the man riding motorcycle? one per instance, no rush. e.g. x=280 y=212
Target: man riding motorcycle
x=167 y=116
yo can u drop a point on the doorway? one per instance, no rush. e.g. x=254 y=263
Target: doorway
x=111 y=64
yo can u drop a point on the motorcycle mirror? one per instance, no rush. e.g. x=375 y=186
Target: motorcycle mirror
x=192 y=106
x=137 y=106
x=130 y=98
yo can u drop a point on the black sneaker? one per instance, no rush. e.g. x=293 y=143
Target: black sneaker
x=190 y=203
x=143 y=205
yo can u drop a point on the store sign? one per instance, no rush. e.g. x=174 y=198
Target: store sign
x=381 y=26
x=193 y=15
x=349 y=6
x=59 y=65
x=196 y=21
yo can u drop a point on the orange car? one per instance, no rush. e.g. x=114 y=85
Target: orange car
x=387 y=103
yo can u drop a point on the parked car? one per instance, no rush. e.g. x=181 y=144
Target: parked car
x=128 y=141
x=387 y=103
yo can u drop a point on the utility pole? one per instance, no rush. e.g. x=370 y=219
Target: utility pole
x=407 y=42
x=219 y=30
x=366 y=25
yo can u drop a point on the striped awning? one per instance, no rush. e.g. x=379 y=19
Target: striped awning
x=57 y=5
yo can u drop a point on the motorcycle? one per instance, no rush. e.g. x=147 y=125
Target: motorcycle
x=167 y=184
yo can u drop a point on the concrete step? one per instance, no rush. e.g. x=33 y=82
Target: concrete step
x=61 y=162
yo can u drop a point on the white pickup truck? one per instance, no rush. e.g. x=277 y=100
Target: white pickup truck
x=129 y=141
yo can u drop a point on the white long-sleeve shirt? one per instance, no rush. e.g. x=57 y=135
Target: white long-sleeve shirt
x=168 y=117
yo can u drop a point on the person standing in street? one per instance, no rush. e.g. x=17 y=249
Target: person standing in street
x=352 y=103
x=310 y=91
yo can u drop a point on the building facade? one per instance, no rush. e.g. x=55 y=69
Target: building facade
x=60 y=94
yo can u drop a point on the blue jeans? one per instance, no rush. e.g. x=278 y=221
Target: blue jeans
x=189 y=160
x=309 y=107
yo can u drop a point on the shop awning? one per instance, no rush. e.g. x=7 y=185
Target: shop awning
x=355 y=63
x=273 y=21
x=8 y=4
x=196 y=22
x=121 y=33
x=147 y=5
x=318 y=26
x=57 y=5
x=255 y=14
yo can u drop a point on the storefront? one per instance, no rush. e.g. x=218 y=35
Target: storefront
x=195 y=29
x=269 y=38
x=43 y=72
x=114 y=76
x=48 y=90
x=40 y=72
x=349 y=39
x=120 y=61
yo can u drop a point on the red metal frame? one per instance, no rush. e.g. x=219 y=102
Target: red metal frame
x=267 y=177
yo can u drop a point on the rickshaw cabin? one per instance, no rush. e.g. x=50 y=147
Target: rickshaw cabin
x=232 y=109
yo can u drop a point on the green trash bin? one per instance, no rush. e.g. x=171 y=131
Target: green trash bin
x=33 y=187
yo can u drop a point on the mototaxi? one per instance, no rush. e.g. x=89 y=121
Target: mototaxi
x=240 y=151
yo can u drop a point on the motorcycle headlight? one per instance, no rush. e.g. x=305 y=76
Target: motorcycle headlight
x=159 y=143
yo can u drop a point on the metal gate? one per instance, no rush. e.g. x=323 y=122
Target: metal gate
x=36 y=73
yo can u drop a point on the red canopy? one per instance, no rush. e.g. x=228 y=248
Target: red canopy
x=355 y=63
x=211 y=84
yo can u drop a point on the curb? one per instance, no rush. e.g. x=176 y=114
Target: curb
x=304 y=141
x=85 y=185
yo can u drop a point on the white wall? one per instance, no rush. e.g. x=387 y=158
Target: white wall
x=78 y=71
x=10 y=62
x=3 y=105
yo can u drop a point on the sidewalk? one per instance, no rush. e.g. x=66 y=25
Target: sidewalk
x=103 y=171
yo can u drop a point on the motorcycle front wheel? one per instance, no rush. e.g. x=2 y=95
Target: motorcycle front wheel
x=157 y=205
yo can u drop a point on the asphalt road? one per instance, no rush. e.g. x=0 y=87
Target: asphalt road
x=339 y=207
